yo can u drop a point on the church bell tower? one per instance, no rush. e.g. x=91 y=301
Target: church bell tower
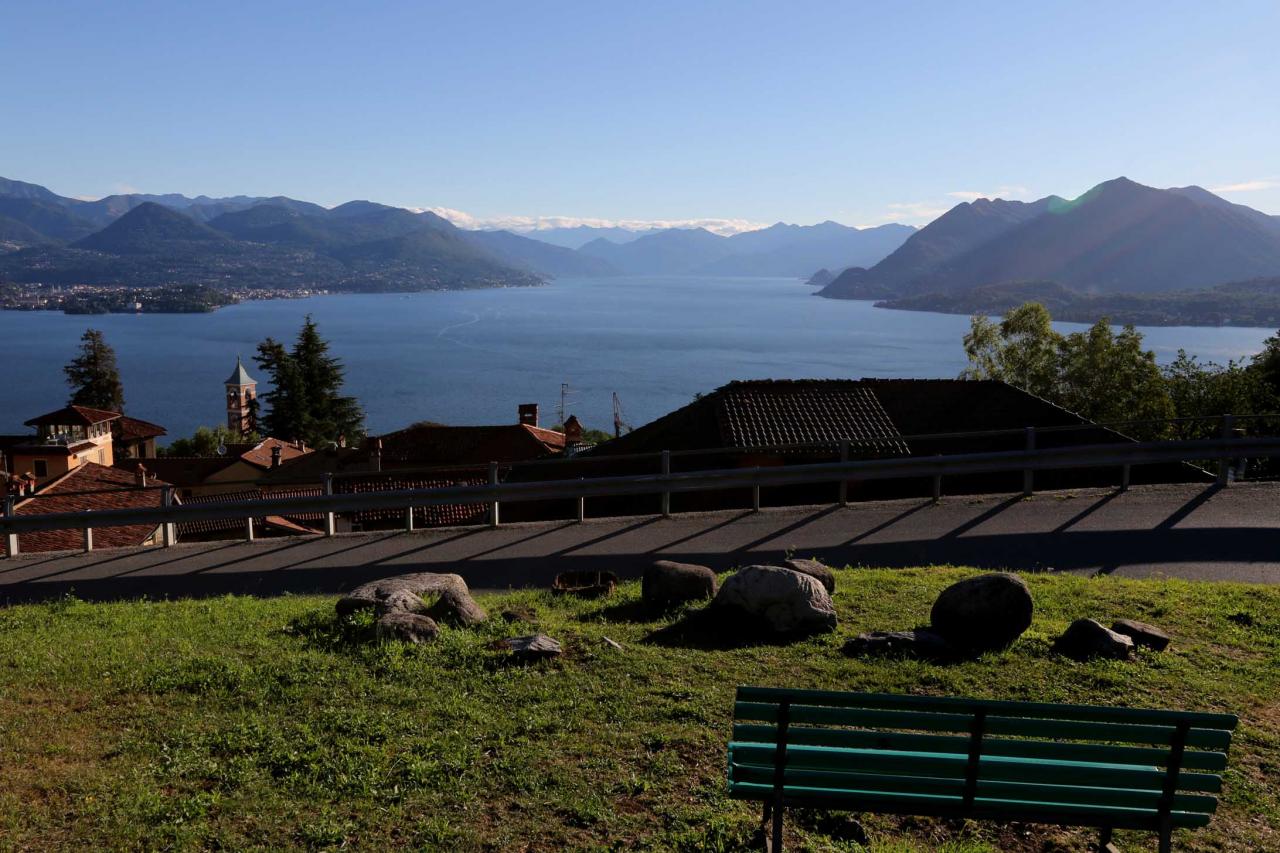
x=242 y=391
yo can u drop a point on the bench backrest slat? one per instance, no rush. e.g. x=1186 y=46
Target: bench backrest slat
x=1060 y=750
x=952 y=721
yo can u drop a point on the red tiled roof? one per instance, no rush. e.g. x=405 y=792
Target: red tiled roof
x=132 y=429
x=74 y=416
x=432 y=444
x=89 y=486
x=440 y=515
x=260 y=454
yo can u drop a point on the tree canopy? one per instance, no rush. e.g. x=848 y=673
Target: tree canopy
x=94 y=376
x=306 y=400
x=206 y=441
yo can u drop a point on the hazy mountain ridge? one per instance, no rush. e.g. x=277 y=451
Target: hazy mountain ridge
x=1119 y=237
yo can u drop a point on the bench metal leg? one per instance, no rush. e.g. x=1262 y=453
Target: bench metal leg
x=771 y=827
x=1104 y=841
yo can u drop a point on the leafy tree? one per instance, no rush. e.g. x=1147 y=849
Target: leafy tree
x=306 y=400
x=1109 y=377
x=1205 y=389
x=94 y=376
x=1022 y=349
x=1100 y=375
x=206 y=441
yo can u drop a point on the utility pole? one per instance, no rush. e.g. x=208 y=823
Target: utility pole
x=564 y=393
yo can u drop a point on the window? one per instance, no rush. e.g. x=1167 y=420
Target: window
x=42 y=468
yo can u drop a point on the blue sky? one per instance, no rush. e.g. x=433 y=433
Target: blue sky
x=794 y=111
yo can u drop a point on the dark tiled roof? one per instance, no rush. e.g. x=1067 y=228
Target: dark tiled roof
x=89 y=486
x=132 y=429
x=926 y=406
x=432 y=444
x=182 y=471
x=74 y=416
x=766 y=412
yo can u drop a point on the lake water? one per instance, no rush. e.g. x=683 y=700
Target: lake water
x=464 y=357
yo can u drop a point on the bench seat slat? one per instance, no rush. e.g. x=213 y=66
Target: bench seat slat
x=880 y=739
x=994 y=725
x=1013 y=791
x=983 y=808
x=885 y=701
x=990 y=766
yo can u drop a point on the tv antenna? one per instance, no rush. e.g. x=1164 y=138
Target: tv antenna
x=619 y=421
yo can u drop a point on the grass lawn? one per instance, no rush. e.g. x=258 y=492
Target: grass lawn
x=241 y=723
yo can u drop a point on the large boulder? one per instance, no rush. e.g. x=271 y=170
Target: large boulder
x=409 y=594
x=983 y=613
x=815 y=570
x=779 y=601
x=665 y=583
x=1086 y=639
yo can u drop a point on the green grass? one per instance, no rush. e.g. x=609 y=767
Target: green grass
x=241 y=723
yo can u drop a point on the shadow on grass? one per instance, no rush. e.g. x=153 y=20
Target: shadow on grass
x=325 y=631
x=709 y=629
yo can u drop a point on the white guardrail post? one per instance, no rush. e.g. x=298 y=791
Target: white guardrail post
x=666 y=496
x=494 y=518
x=844 y=484
x=168 y=530
x=330 y=522
x=11 y=539
x=1224 y=464
x=1028 y=478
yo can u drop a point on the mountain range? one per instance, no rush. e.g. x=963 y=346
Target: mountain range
x=275 y=241
x=1120 y=237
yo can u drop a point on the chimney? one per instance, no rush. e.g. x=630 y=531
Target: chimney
x=572 y=431
x=342 y=440
x=300 y=444
x=140 y=476
x=375 y=454
x=275 y=456
x=528 y=414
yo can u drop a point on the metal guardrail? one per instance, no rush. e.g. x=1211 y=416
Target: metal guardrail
x=1121 y=456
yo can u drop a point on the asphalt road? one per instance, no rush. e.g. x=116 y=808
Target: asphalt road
x=1184 y=531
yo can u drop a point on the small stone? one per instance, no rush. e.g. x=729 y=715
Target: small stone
x=1142 y=634
x=984 y=613
x=533 y=647
x=814 y=569
x=921 y=643
x=666 y=583
x=405 y=627
x=1086 y=639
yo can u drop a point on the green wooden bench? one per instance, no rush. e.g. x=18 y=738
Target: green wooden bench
x=1069 y=765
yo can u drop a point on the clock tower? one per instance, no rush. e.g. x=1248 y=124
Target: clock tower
x=242 y=395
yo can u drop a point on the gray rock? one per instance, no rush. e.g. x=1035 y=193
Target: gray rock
x=814 y=569
x=922 y=643
x=781 y=601
x=1086 y=639
x=531 y=648
x=1142 y=634
x=983 y=613
x=666 y=583
x=409 y=593
x=405 y=627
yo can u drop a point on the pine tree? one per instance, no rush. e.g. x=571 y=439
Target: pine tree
x=94 y=376
x=305 y=400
